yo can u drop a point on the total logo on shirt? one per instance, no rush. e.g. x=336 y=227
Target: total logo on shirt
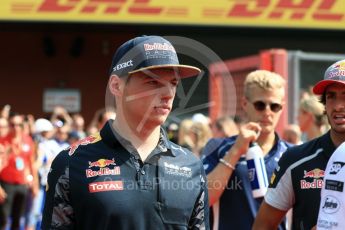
x=105 y=186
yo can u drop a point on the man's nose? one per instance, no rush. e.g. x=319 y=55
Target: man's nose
x=168 y=91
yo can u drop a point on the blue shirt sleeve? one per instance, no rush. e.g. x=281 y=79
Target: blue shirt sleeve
x=214 y=150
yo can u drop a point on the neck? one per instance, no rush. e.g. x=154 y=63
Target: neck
x=266 y=141
x=17 y=135
x=337 y=138
x=144 y=139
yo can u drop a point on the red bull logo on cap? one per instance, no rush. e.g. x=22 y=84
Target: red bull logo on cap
x=340 y=65
x=88 y=140
x=101 y=163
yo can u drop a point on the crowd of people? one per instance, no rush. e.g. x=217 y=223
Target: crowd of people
x=27 y=147
x=38 y=141
x=42 y=163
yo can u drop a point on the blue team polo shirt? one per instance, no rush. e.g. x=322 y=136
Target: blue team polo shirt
x=237 y=206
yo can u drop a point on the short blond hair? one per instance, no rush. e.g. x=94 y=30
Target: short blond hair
x=313 y=105
x=263 y=79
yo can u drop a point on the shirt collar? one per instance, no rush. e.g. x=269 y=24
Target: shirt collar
x=112 y=138
x=327 y=144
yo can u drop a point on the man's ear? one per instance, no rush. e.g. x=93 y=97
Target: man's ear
x=115 y=85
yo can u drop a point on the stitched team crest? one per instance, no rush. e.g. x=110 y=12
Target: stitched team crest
x=88 y=140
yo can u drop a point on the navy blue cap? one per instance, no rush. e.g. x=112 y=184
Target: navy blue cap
x=146 y=53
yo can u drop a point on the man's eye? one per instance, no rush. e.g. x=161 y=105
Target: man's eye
x=174 y=83
x=329 y=96
x=152 y=82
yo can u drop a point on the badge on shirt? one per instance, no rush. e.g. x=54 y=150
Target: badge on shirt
x=19 y=163
x=336 y=167
x=330 y=205
x=334 y=185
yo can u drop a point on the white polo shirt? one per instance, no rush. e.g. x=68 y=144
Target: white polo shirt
x=332 y=210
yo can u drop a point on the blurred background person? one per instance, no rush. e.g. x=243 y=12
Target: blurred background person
x=46 y=152
x=18 y=175
x=60 y=115
x=311 y=118
x=224 y=127
x=99 y=119
x=172 y=132
x=292 y=134
x=78 y=125
x=200 y=133
x=4 y=129
x=184 y=134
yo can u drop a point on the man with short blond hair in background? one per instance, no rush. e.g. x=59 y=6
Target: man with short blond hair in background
x=229 y=186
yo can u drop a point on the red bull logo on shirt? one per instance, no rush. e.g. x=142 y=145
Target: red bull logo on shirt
x=88 y=140
x=101 y=163
x=103 y=172
x=315 y=174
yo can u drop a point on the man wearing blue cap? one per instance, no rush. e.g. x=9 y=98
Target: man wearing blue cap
x=129 y=176
x=298 y=179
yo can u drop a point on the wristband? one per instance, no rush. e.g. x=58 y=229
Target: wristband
x=227 y=164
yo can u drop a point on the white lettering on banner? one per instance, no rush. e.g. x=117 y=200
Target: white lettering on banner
x=105 y=186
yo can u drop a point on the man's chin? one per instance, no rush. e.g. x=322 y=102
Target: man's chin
x=267 y=129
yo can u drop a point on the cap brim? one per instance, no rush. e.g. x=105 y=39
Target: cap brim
x=320 y=87
x=184 y=71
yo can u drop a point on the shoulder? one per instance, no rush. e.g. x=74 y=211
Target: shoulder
x=184 y=156
x=87 y=141
x=61 y=160
x=216 y=145
x=298 y=154
x=182 y=152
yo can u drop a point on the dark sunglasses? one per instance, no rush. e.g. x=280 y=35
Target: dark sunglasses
x=261 y=106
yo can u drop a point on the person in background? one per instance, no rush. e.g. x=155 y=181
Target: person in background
x=229 y=186
x=4 y=129
x=292 y=134
x=18 y=175
x=78 y=125
x=99 y=119
x=173 y=132
x=46 y=152
x=184 y=134
x=200 y=133
x=298 y=178
x=59 y=115
x=311 y=118
x=224 y=127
